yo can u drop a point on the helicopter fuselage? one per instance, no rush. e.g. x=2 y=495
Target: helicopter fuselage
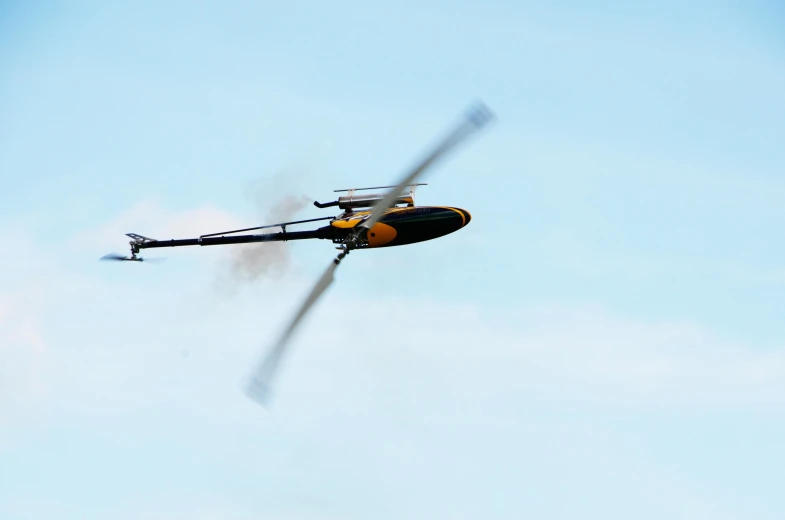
x=404 y=225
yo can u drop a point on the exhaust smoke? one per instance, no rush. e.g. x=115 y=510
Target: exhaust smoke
x=249 y=262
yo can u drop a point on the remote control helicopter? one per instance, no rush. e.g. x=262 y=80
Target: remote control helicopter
x=367 y=221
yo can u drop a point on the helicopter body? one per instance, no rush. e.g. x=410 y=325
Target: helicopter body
x=397 y=226
x=407 y=225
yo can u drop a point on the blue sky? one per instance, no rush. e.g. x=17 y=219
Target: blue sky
x=604 y=339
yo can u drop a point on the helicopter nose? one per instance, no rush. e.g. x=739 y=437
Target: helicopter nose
x=467 y=216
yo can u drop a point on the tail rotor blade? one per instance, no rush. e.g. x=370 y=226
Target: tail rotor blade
x=259 y=385
x=474 y=119
x=113 y=257
x=153 y=260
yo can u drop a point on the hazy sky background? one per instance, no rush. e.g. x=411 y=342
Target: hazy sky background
x=604 y=340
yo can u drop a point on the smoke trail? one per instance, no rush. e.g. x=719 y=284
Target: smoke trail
x=249 y=262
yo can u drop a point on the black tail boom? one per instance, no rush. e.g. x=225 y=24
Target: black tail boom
x=325 y=232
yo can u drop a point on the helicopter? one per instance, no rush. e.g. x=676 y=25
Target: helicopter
x=373 y=220
x=402 y=224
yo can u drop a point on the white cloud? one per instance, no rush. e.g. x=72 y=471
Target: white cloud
x=150 y=218
x=163 y=360
x=561 y=354
x=23 y=361
x=406 y=352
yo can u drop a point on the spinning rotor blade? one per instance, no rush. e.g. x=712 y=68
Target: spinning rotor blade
x=474 y=119
x=122 y=258
x=259 y=385
x=153 y=260
x=114 y=256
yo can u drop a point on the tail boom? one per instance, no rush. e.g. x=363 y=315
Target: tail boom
x=321 y=233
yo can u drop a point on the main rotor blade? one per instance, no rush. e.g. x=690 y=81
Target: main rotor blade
x=474 y=119
x=259 y=385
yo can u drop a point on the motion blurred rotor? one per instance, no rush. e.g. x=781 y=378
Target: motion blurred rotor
x=258 y=386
